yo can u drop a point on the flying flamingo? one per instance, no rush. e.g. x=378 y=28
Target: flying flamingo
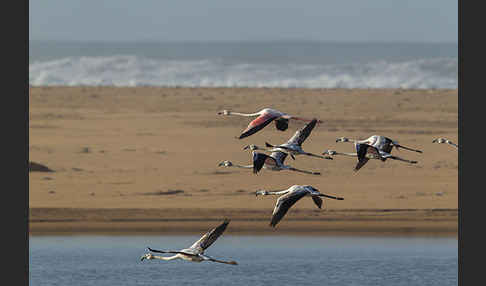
x=195 y=252
x=265 y=116
x=273 y=162
x=294 y=145
x=443 y=140
x=364 y=152
x=290 y=196
x=381 y=142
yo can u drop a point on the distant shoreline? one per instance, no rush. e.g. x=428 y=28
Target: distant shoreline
x=408 y=222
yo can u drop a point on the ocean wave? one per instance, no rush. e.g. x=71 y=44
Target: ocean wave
x=127 y=70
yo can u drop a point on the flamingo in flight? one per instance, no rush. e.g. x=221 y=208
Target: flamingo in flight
x=446 y=141
x=364 y=152
x=273 y=162
x=195 y=252
x=290 y=196
x=293 y=146
x=264 y=117
x=381 y=142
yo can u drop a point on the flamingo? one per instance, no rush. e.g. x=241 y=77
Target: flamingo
x=265 y=116
x=290 y=196
x=364 y=152
x=293 y=146
x=443 y=140
x=195 y=252
x=381 y=142
x=273 y=162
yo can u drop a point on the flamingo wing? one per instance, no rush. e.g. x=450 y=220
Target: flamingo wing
x=284 y=203
x=387 y=146
x=317 y=200
x=258 y=123
x=210 y=237
x=301 y=135
x=362 y=150
x=258 y=161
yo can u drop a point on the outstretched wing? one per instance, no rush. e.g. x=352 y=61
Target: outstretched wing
x=284 y=203
x=210 y=237
x=362 y=150
x=317 y=200
x=258 y=161
x=302 y=134
x=387 y=145
x=258 y=123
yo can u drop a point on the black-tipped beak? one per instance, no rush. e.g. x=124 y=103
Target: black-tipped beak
x=246 y=147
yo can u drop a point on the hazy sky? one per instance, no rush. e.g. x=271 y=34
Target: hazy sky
x=179 y=20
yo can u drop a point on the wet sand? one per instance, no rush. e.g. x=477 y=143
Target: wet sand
x=145 y=159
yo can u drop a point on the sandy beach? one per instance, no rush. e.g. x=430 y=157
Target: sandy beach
x=145 y=160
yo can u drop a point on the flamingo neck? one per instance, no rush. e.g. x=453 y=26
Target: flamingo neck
x=166 y=258
x=243 y=114
x=243 y=166
x=278 y=193
x=347 y=154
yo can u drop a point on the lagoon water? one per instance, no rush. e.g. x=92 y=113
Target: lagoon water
x=263 y=260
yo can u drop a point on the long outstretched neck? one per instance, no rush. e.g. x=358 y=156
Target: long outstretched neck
x=243 y=114
x=346 y=154
x=243 y=166
x=453 y=144
x=236 y=165
x=318 y=156
x=166 y=258
x=272 y=192
x=350 y=140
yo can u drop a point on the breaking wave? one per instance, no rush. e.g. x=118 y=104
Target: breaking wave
x=127 y=70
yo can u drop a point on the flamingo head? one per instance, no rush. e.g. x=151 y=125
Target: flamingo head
x=224 y=112
x=147 y=256
x=342 y=139
x=261 y=192
x=329 y=152
x=225 y=163
x=439 y=140
x=251 y=147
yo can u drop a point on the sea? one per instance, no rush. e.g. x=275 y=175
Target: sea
x=262 y=260
x=283 y=64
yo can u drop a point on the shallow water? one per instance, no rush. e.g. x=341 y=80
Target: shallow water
x=263 y=260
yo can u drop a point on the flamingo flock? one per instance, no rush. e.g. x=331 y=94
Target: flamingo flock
x=374 y=147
